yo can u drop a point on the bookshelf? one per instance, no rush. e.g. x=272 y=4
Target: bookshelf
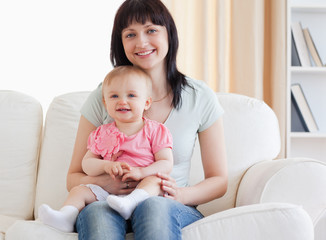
x=312 y=15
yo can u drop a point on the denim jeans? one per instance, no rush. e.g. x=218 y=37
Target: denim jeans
x=155 y=218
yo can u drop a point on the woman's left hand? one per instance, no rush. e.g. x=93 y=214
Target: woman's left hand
x=169 y=187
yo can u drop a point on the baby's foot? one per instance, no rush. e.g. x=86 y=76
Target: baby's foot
x=63 y=220
x=125 y=205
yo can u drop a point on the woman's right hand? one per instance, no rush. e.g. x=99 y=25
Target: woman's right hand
x=115 y=186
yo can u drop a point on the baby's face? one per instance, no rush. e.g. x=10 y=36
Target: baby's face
x=126 y=97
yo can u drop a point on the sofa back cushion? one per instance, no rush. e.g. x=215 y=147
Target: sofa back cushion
x=251 y=135
x=59 y=135
x=21 y=123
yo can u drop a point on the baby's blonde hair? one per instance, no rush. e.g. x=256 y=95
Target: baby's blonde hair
x=132 y=70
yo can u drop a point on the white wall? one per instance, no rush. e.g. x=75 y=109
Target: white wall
x=51 y=47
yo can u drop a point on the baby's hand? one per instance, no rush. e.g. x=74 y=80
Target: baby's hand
x=116 y=168
x=134 y=174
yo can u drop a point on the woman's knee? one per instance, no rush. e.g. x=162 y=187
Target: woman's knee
x=101 y=222
x=90 y=212
x=153 y=207
x=98 y=210
x=171 y=212
x=156 y=215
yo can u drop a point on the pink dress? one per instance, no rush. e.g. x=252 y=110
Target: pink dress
x=138 y=149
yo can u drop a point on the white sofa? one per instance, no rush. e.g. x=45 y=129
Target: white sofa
x=281 y=199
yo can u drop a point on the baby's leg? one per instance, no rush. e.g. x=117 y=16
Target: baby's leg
x=79 y=197
x=152 y=185
x=64 y=219
x=125 y=205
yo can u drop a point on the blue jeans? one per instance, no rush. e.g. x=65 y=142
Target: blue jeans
x=155 y=218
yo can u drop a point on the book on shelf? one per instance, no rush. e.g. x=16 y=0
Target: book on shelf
x=301 y=44
x=302 y=110
x=295 y=60
x=297 y=121
x=312 y=48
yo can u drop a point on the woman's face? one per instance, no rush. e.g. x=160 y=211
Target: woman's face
x=146 y=45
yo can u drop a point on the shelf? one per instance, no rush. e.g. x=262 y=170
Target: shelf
x=309 y=70
x=309 y=8
x=307 y=135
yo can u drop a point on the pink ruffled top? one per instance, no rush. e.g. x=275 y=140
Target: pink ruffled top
x=138 y=149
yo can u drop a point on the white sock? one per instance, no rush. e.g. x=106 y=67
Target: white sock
x=125 y=205
x=63 y=220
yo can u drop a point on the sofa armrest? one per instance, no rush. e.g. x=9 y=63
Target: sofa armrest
x=260 y=221
x=320 y=223
x=298 y=181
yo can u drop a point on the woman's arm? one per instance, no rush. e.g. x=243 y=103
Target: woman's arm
x=213 y=153
x=76 y=175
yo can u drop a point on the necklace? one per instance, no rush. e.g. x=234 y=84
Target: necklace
x=162 y=98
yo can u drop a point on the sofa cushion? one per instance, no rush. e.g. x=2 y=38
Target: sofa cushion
x=35 y=230
x=20 y=127
x=251 y=135
x=31 y=230
x=60 y=130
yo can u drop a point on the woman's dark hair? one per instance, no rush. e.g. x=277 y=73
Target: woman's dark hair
x=156 y=12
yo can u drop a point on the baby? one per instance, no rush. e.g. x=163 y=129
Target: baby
x=131 y=147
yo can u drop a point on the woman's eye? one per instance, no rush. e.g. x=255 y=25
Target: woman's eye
x=130 y=35
x=152 y=31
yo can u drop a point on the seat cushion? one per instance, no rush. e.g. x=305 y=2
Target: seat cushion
x=5 y=223
x=263 y=221
x=35 y=230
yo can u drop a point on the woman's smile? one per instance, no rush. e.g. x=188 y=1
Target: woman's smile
x=145 y=53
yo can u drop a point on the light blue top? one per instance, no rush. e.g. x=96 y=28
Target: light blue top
x=199 y=110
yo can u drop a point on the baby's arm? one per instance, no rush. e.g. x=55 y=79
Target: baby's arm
x=163 y=164
x=94 y=165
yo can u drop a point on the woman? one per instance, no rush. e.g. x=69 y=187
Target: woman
x=144 y=35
